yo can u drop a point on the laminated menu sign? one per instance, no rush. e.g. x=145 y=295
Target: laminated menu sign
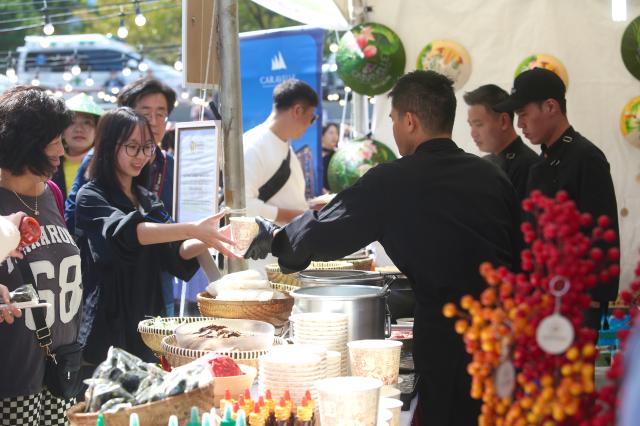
x=196 y=171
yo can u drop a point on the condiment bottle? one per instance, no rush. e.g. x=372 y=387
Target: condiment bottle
x=264 y=410
x=100 y=421
x=236 y=408
x=195 y=417
x=256 y=418
x=173 y=421
x=248 y=402
x=227 y=398
x=227 y=417
x=134 y=420
x=241 y=419
x=282 y=413
x=304 y=413
x=206 y=420
x=271 y=407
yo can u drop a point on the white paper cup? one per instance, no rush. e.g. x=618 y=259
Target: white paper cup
x=384 y=417
x=379 y=359
x=389 y=391
x=348 y=401
x=243 y=231
x=394 y=406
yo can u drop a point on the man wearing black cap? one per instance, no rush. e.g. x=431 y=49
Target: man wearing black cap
x=493 y=133
x=570 y=162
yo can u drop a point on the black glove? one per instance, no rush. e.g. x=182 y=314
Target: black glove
x=261 y=245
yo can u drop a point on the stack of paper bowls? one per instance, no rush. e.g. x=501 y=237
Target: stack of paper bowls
x=334 y=366
x=327 y=329
x=291 y=368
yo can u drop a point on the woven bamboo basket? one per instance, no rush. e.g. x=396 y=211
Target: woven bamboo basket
x=283 y=287
x=153 y=330
x=275 y=311
x=155 y=413
x=275 y=275
x=361 y=263
x=178 y=356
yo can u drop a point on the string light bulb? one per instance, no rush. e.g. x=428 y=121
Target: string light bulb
x=35 y=82
x=122 y=32
x=68 y=87
x=126 y=71
x=67 y=76
x=48 y=28
x=76 y=70
x=140 y=20
x=143 y=66
x=178 y=65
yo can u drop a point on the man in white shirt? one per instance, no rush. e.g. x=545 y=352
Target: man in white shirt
x=274 y=181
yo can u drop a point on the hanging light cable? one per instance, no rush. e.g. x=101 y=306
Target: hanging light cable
x=140 y=20
x=48 y=28
x=122 y=29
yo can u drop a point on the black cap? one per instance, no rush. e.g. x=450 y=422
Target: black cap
x=537 y=84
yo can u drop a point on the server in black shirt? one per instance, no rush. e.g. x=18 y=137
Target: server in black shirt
x=439 y=213
x=494 y=134
x=570 y=162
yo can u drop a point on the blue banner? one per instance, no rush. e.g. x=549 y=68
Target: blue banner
x=268 y=58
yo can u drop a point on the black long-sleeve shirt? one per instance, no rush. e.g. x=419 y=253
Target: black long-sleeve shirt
x=516 y=160
x=576 y=165
x=438 y=213
x=121 y=277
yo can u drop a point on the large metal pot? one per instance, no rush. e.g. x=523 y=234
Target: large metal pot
x=317 y=277
x=364 y=305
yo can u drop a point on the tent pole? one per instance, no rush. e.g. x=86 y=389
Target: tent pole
x=231 y=111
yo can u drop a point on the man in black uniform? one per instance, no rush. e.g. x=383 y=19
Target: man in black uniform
x=570 y=162
x=439 y=213
x=493 y=132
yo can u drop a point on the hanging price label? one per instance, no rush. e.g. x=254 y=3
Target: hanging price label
x=504 y=378
x=555 y=333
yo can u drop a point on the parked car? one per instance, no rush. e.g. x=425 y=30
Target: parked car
x=104 y=63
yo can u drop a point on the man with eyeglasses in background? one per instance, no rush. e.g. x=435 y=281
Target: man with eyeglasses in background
x=274 y=180
x=155 y=101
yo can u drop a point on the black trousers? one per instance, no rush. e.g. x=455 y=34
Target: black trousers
x=444 y=387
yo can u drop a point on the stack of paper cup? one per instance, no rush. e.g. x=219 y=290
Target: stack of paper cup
x=384 y=417
x=349 y=401
x=327 y=329
x=294 y=371
x=379 y=359
x=334 y=366
x=394 y=406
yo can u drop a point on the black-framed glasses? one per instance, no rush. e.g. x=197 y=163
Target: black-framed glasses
x=314 y=117
x=133 y=149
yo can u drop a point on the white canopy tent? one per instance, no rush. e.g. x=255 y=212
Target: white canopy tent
x=498 y=35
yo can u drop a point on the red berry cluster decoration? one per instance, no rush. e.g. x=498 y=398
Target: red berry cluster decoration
x=501 y=326
x=605 y=408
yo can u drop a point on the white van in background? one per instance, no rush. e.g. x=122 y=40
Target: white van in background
x=101 y=60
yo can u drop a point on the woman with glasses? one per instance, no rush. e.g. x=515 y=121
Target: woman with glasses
x=127 y=239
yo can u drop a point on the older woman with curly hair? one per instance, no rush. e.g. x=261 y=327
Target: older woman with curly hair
x=31 y=125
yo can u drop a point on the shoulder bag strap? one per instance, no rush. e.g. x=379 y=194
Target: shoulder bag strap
x=277 y=181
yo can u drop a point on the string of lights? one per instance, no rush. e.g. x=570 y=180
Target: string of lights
x=100 y=9
x=75 y=19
